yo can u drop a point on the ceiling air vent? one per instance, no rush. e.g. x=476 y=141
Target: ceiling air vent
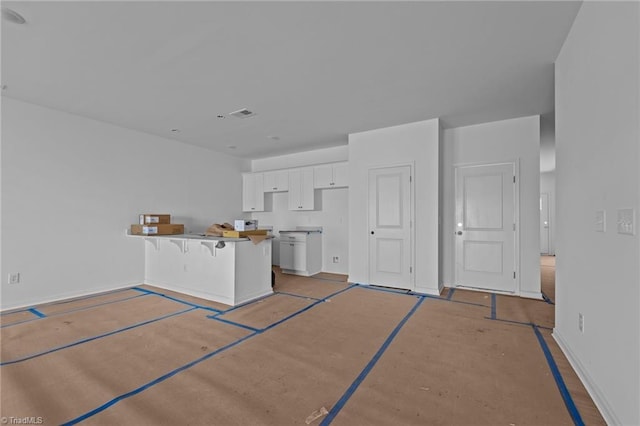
x=242 y=113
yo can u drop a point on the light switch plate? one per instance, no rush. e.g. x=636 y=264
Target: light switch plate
x=601 y=221
x=626 y=221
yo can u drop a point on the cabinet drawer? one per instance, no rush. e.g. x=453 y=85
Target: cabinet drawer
x=293 y=237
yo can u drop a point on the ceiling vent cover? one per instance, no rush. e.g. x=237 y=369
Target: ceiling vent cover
x=242 y=113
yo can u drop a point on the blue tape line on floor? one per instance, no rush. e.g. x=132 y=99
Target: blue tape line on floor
x=566 y=396
x=493 y=306
x=155 y=382
x=186 y=366
x=84 y=308
x=237 y=324
x=175 y=299
x=37 y=313
x=450 y=295
x=67 y=301
x=367 y=369
x=546 y=298
x=89 y=339
x=297 y=295
x=242 y=305
x=529 y=324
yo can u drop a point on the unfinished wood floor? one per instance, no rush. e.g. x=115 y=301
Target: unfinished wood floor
x=319 y=351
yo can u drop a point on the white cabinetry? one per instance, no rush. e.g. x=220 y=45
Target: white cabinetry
x=276 y=181
x=236 y=273
x=331 y=175
x=301 y=253
x=252 y=192
x=301 y=191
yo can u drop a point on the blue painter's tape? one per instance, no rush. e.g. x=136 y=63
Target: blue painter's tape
x=297 y=295
x=175 y=299
x=328 y=279
x=566 y=396
x=367 y=369
x=237 y=324
x=84 y=308
x=155 y=382
x=451 y=291
x=493 y=306
x=546 y=298
x=242 y=305
x=37 y=313
x=186 y=366
x=528 y=324
x=89 y=339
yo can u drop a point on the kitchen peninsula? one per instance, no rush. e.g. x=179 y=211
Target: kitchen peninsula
x=226 y=270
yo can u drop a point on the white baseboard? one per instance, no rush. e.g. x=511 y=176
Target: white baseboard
x=531 y=295
x=591 y=387
x=69 y=295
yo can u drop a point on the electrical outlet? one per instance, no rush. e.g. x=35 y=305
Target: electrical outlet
x=14 y=278
x=580 y=322
x=336 y=259
x=626 y=221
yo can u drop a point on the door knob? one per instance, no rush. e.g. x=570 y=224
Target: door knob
x=459 y=232
x=372 y=232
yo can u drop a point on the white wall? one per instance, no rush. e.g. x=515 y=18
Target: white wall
x=71 y=186
x=307 y=158
x=415 y=143
x=597 y=163
x=548 y=185
x=331 y=212
x=501 y=141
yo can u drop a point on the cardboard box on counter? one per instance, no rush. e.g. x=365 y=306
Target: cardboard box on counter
x=157 y=229
x=152 y=218
x=242 y=234
x=245 y=225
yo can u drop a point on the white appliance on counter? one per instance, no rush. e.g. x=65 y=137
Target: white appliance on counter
x=301 y=250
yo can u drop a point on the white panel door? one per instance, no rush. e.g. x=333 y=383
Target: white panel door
x=485 y=227
x=544 y=223
x=390 y=227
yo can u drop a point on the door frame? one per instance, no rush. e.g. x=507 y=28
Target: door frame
x=516 y=212
x=412 y=218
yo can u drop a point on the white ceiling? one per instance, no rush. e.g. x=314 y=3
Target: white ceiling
x=312 y=71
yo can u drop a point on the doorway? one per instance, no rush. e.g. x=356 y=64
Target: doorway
x=390 y=227
x=486 y=227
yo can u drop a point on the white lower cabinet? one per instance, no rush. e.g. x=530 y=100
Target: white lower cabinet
x=301 y=253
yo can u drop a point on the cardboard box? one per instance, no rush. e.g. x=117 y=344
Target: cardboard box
x=154 y=218
x=245 y=225
x=242 y=234
x=157 y=229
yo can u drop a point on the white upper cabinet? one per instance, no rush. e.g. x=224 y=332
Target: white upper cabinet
x=301 y=191
x=276 y=181
x=331 y=175
x=252 y=192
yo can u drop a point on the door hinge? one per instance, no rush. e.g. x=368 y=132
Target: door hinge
x=411 y=269
x=410 y=179
x=514 y=226
x=514 y=179
x=514 y=275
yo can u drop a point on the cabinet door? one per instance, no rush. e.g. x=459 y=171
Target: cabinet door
x=306 y=189
x=295 y=183
x=340 y=175
x=299 y=256
x=276 y=181
x=252 y=192
x=322 y=176
x=286 y=255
